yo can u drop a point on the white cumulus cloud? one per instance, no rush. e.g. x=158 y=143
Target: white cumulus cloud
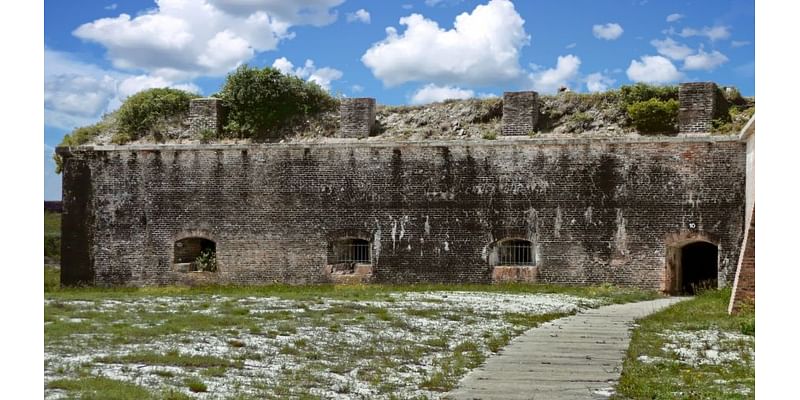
x=135 y=84
x=598 y=82
x=674 y=17
x=321 y=76
x=704 y=61
x=431 y=93
x=360 y=15
x=549 y=80
x=713 y=33
x=671 y=48
x=483 y=47
x=295 y=12
x=608 y=31
x=653 y=69
x=182 y=39
x=77 y=94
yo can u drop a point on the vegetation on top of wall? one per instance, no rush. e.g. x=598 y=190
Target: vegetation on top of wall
x=83 y=135
x=734 y=122
x=265 y=104
x=148 y=112
x=631 y=94
x=654 y=115
x=262 y=103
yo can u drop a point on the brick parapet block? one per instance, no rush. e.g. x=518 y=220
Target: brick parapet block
x=520 y=113
x=357 y=117
x=206 y=114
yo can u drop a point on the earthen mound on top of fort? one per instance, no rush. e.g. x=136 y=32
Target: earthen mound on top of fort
x=566 y=114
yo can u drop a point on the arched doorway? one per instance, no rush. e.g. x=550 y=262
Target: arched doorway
x=692 y=263
x=698 y=267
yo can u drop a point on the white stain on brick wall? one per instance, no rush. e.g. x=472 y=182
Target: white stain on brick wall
x=394 y=234
x=557 y=223
x=376 y=240
x=621 y=237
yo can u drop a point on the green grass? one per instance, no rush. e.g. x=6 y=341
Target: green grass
x=670 y=380
x=196 y=385
x=52 y=279
x=465 y=356
x=187 y=320
x=173 y=358
x=96 y=387
x=52 y=235
x=52 y=223
x=374 y=292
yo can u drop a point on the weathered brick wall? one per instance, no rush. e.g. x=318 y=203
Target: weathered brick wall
x=700 y=103
x=77 y=221
x=357 y=117
x=520 y=112
x=206 y=114
x=744 y=288
x=596 y=210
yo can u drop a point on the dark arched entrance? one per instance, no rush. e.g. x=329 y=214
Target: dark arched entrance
x=698 y=267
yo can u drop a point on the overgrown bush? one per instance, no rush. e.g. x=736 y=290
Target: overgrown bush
x=261 y=103
x=734 y=121
x=77 y=137
x=640 y=92
x=206 y=261
x=52 y=246
x=654 y=115
x=82 y=135
x=141 y=113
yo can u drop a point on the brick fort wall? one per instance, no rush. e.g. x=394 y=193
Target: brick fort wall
x=596 y=210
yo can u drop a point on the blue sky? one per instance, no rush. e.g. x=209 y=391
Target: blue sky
x=400 y=52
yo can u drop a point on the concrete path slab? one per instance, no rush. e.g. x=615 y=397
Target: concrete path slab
x=577 y=357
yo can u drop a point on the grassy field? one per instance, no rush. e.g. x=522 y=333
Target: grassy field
x=371 y=341
x=52 y=235
x=693 y=350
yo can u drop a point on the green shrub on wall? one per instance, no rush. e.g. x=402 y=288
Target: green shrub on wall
x=654 y=115
x=642 y=92
x=78 y=137
x=262 y=102
x=141 y=113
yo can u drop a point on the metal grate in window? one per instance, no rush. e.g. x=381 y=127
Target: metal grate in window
x=515 y=252
x=353 y=251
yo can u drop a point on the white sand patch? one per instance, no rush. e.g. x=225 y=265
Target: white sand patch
x=329 y=348
x=708 y=347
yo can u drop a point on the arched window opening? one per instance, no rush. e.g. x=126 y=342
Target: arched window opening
x=195 y=254
x=515 y=252
x=351 y=251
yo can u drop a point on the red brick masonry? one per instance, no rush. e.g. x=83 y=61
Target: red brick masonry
x=744 y=287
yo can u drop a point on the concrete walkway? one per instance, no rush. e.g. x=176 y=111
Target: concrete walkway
x=577 y=357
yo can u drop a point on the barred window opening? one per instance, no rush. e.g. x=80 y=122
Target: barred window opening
x=352 y=251
x=515 y=252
